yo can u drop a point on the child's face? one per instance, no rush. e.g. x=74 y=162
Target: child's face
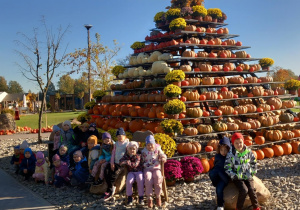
x=91 y=145
x=84 y=128
x=106 y=141
x=76 y=158
x=238 y=144
x=62 y=151
x=150 y=147
x=21 y=151
x=56 y=163
x=17 y=151
x=132 y=150
x=223 y=150
x=57 y=133
x=27 y=154
x=39 y=160
x=66 y=127
x=121 y=138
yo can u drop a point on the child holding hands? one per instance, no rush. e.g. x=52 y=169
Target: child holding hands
x=152 y=155
x=132 y=160
x=240 y=165
x=217 y=174
x=41 y=168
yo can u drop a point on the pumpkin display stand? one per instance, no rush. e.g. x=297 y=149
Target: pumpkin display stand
x=188 y=180
x=222 y=92
x=173 y=116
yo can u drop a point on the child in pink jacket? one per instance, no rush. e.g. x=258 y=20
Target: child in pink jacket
x=152 y=155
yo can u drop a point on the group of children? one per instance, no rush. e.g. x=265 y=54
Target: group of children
x=236 y=163
x=80 y=161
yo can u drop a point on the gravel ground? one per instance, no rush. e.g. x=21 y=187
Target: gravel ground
x=280 y=175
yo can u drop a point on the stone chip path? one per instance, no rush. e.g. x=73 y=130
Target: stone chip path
x=281 y=175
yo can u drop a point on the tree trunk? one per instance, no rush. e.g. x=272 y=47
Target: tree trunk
x=40 y=118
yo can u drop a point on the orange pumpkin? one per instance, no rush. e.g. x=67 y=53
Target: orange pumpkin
x=260 y=154
x=295 y=146
x=136 y=125
x=278 y=150
x=213 y=143
x=211 y=162
x=209 y=149
x=259 y=140
x=269 y=152
x=205 y=165
x=190 y=131
x=287 y=148
x=189 y=148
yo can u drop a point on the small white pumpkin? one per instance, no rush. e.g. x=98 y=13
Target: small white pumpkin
x=167 y=70
x=154 y=56
x=165 y=57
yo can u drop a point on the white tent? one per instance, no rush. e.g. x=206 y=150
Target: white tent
x=24 y=101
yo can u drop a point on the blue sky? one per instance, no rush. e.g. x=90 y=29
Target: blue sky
x=270 y=27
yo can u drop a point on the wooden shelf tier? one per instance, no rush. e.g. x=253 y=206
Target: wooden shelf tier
x=249 y=130
x=198 y=86
x=201 y=73
x=183 y=34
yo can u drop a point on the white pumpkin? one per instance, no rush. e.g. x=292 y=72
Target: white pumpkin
x=142 y=72
x=120 y=75
x=131 y=72
x=165 y=57
x=132 y=60
x=125 y=74
x=136 y=73
x=154 y=56
x=158 y=67
x=140 y=57
x=167 y=70
x=149 y=72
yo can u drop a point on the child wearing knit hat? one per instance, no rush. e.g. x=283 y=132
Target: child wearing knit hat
x=133 y=161
x=61 y=175
x=15 y=159
x=56 y=139
x=240 y=165
x=80 y=172
x=41 y=168
x=113 y=169
x=23 y=146
x=27 y=165
x=217 y=174
x=103 y=161
x=152 y=155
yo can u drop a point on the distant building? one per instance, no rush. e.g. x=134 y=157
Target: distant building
x=68 y=102
x=10 y=100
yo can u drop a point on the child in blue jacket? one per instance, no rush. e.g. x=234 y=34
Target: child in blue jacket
x=27 y=166
x=218 y=175
x=104 y=159
x=80 y=172
x=15 y=159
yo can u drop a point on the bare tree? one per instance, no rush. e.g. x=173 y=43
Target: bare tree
x=39 y=70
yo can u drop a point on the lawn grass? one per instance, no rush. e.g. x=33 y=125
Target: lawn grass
x=31 y=120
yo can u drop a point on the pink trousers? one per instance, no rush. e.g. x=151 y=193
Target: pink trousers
x=39 y=176
x=96 y=168
x=139 y=178
x=153 y=177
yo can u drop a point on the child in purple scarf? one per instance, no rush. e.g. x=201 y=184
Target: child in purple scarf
x=41 y=168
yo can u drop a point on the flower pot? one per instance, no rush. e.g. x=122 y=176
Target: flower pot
x=177 y=31
x=177 y=83
x=187 y=17
x=172 y=98
x=170 y=183
x=215 y=20
x=292 y=92
x=266 y=68
x=173 y=116
x=188 y=180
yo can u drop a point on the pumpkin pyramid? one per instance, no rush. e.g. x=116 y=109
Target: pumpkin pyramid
x=192 y=69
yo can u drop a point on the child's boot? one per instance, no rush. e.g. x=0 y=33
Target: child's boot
x=113 y=190
x=98 y=182
x=158 y=201
x=150 y=203
x=129 y=201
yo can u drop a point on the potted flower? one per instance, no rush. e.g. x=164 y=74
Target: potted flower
x=172 y=13
x=191 y=167
x=223 y=18
x=199 y=12
x=292 y=85
x=173 y=108
x=266 y=63
x=159 y=19
x=173 y=172
x=172 y=91
x=98 y=94
x=215 y=13
x=175 y=77
x=186 y=12
x=137 y=45
x=168 y=145
x=117 y=70
x=177 y=24
x=172 y=126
